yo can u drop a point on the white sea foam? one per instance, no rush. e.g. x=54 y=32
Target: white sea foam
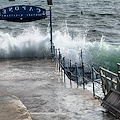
x=94 y=53
x=33 y=43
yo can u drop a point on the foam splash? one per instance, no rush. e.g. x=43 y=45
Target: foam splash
x=33 y=43
x=104 y=54
x=94 y=53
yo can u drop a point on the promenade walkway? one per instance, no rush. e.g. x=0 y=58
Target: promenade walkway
x=38 y=85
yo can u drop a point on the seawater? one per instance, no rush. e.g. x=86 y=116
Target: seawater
x=96 y=32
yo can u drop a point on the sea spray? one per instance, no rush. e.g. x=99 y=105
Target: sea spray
x=94 y=53
x=32 y=42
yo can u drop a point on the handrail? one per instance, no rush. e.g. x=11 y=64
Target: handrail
x=110 y=72
x=118 y=68
x=75 y=72
x=109 y=80
x=118 y=64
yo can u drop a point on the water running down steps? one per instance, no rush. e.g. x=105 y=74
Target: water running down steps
x=38 y=85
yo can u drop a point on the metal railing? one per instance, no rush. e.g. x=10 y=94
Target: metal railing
x=77 y=72
x=109 y=80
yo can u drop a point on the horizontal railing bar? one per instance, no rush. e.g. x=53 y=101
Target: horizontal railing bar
x=103 y=69
x=110 y=80
x=118 y=64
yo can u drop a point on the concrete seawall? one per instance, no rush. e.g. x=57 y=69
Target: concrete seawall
x=37 y=83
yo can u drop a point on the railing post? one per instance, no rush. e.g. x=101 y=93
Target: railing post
x=59 y=59
x=56 y=58
x=53 y=51
x=64 y=66
x=83 y=75
x=118 y=84
x=61 y=62
x=107 y=86
x=93 y=81
x=76 y=74
x=103 y=80
x=118 y=66
x=83 y=70
x=70 y=70
x=112 y=85
x=81 y=55
x=118 y=79
x=51 y=32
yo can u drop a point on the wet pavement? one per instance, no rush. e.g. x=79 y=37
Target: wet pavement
x=39 y=86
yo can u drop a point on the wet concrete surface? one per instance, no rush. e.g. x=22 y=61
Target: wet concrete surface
x=38 y=84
